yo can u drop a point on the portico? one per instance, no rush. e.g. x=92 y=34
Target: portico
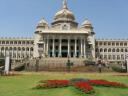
x=65 y=45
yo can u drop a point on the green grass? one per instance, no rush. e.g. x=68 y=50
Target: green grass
x=23 y=85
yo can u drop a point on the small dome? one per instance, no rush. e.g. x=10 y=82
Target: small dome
x=43 y=22
x=87 y=23
x=64 y=13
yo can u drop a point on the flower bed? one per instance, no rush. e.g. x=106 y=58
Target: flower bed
x=106 y=83
x=54 y=84
x=84 y=87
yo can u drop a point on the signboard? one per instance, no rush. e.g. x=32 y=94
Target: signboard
x=7 y=64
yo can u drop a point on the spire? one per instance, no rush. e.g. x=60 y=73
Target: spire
x=65 y=4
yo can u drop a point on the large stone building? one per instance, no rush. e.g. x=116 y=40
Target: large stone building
x=64 y=38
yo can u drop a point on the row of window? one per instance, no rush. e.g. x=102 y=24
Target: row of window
x=112 y=43
x=16 y=42
x=64 y=41
x=18 y=49
x=18 y=55
x=111 y=50
x=112 y=57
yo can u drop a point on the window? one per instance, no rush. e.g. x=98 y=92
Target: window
x=15 y=42
x=40 y=45
x=65 y=27
x=104 y=43
x=113 y=50
x=64 y=41
x=100 y=43
x=109 y=50
x=23 y=42
x=23 y=49
x=125 y=44
x=117 y=44
x=11 y=42
x=27 y=42
x=97 y=50
x=3 y=42
x=72 y=41
x=121 y=44
x=114 y=57
x=7 y=42
x=31 y=49
x=113 y=44
x=57 y=48
x=109 y=43
x=126 y=50
x=101 y=50
x=72 y=48
x=109 y=57
x=105 y=50
x=122 y=50
x=19 y=42
x=56 y=40
x=117 y=50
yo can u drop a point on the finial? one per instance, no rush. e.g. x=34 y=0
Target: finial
x=65 y=4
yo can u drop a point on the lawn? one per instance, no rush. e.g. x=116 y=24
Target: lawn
x=23 y=85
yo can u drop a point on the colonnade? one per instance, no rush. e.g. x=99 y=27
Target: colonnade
x=79 y=46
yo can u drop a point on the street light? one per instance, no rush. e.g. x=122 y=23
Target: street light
x=69 y=64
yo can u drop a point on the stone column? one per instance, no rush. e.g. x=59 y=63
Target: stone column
x=17 y=53
x=60 y=46
x=21 y=53
x=0 y=51
x=44 y=47
x=29 y=52
x=4 y=52
x=75 y=47
x=81 y=47
x=69 y=46
x=12 y=52
x=84 y=48
x=53 y=47
x=103 y=54
x=47 y=46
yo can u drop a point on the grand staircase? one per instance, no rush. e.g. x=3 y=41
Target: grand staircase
x=54 y=63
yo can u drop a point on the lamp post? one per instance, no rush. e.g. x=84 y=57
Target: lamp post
x=69 y=64
x=37 y=64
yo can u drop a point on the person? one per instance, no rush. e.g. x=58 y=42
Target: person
x=99 y=66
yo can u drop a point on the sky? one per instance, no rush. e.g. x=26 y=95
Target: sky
x=19 y=18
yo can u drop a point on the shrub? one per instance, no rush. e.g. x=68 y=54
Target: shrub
x=118 y=69
x=19 y=68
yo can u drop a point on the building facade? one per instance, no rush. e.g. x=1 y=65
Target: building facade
x=63 y=38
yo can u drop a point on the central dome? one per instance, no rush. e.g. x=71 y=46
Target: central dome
x=64 y=14
x=64 y=19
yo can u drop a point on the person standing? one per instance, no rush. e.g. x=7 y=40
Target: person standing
x=99 y=66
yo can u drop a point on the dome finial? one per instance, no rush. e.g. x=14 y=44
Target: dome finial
x=65 y=4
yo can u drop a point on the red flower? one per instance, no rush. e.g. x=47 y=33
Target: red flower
x=85 y=87
x=106 y=83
